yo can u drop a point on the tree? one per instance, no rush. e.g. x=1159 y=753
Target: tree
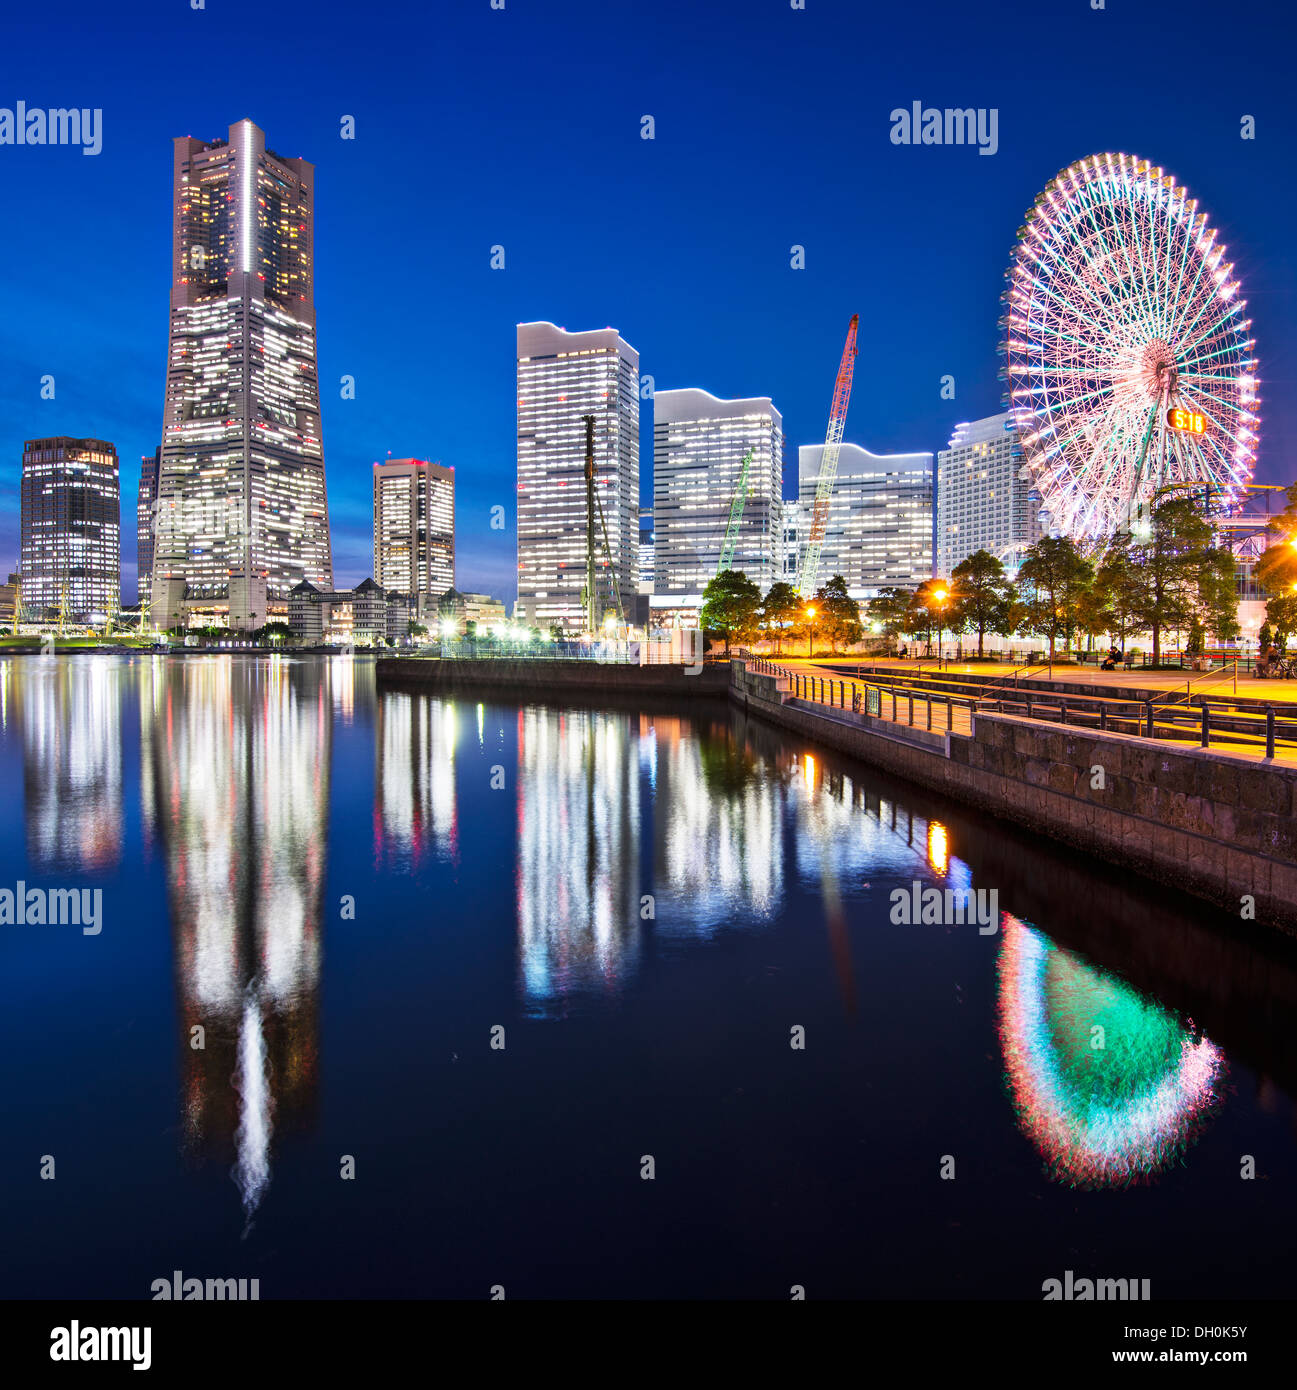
x=1117 y=589
x=1276 y=570
x=1281 y=614
x=731 y=604
x=980 y=596
x=1182 y=572
x=837 y=614
x=1054 y=576
x=892 y=609
x=780 y=610
x=927 y=605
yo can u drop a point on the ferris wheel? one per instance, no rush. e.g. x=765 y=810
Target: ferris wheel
x=1130 y=357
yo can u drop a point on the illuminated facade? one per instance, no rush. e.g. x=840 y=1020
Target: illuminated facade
x=242 y=505
x=145 y=503
x=879 y=529
x=983 y=501
x=70 y=528
x=563 y=377
x=414 y=526
x=699 y=443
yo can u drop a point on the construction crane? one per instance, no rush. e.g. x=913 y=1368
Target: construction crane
x=829 y=464
x=736 y=515
x=593 y=509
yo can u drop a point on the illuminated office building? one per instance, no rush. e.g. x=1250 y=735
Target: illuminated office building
x=699 y=443
x=983 y=502
x=563 y=377
x=414 y=526
x=70 y=529
x=878 y=532
x=242 y=510
x=145 y=502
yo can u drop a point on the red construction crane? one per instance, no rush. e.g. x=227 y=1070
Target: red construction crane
x=829 y=464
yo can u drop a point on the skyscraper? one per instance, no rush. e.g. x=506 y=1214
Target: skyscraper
x=414 y=526
x=699 y=443
x=242 y=510
x=145 y=502
x=70 y=528
x=879 y=530
x=563 y=377
x=983 y=502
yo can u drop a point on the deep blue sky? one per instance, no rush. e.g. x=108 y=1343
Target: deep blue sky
x=522 y=127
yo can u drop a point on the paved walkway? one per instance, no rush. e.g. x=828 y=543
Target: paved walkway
x=821 y=684
x=1217 y=683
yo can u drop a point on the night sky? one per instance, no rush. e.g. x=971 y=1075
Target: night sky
x=522 y=128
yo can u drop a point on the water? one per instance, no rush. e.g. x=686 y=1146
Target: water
x=347 y=892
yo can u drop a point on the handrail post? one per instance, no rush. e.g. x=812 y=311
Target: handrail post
x=1269 y=731
x=1150 y=716
x=1103 y=718
x=1063 y=715
x=950 y=714
x=1206 y=725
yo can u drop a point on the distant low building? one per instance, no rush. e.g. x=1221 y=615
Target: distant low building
x=366 y=615
x=480 y=609
x=11 y=600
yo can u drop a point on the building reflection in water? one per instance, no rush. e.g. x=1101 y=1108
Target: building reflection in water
x=236 y=760
x=70 y=712
x=718 y=817
x=414 y=780
x=578 y=865
x=1102 y=1116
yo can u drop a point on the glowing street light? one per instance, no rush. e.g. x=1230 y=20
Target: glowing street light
x=810 y=636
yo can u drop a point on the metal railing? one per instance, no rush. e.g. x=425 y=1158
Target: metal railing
x=1211 y=722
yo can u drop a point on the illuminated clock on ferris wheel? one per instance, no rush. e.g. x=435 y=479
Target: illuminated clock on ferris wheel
x=1130 y=363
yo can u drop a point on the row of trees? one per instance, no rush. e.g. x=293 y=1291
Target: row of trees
x=1169 y=576
x=734 y=607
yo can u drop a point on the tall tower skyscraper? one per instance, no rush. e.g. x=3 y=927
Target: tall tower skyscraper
x=562 y=377
x=70 y=528
x=242 y=510
x=414 y=526
x=145 y=503
x=983 y=501
x=879 y=529
x=699 y=443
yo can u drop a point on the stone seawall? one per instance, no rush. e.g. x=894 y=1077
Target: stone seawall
x=583 y=679
x=1216 y=824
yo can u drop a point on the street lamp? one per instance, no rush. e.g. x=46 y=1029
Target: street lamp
x=941 y=595
x=810 y=634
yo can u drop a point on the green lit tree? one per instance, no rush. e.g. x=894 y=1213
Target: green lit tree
x=1053 y=577
x=780 y=610
x=981 y=595
x=837 y=614
x=731 y=606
